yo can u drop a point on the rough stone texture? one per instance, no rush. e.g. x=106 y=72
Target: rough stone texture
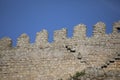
x=80 y=31
x=99 y=29
x=5 y=43
x=60 y=35
x=23 y=41
x=42 y=39
x=98 y=55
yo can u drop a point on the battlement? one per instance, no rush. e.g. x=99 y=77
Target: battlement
x=61 y=35
x=23 y=40
x=80 y=31
x=116 y=27
x=99 y=29
x=41 y=38
x=63 y=57
x=5 y=43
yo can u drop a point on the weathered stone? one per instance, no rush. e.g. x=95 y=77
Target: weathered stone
x=5 y=43
x=64 y=57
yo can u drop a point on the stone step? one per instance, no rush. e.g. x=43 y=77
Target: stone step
x=112 y=63
x=117 y=58
x=112 y=66
x=112 y=60
x=104 y=66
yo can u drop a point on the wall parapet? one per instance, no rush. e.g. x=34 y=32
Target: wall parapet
x=79 y=31
x=41 y=38
x=23 y=41
x=5 y=43
x=47 y=61
x=60 y=36
x=99 y=29
x=116 y=27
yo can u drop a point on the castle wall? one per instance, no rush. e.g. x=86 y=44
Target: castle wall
x=62 y=58
x=80 y=32
x=23 y=41
x=41 y=39
x=34 y=67
x=5 y=43
x=60 y=35
x=116 y=27
x=99 y=29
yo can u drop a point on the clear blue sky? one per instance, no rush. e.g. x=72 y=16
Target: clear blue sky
x=31 y=16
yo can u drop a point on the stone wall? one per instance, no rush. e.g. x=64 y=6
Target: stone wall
x=23 y=41
x=5 y=43
x=62 y=58
x=60 y=35
x=42 y=39
x=99 y=29
x=80 y=31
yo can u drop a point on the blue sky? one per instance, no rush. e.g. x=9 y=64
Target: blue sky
x=31 y=16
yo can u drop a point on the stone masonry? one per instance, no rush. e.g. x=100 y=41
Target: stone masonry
x=64 y=56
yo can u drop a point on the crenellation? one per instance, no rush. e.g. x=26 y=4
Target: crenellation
x=23 y=41
x=60 y=35
x=41 y=38
x=99 y=30
x=79 y=32
x=5 y=43
x=116 y=27
x=62 y=58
